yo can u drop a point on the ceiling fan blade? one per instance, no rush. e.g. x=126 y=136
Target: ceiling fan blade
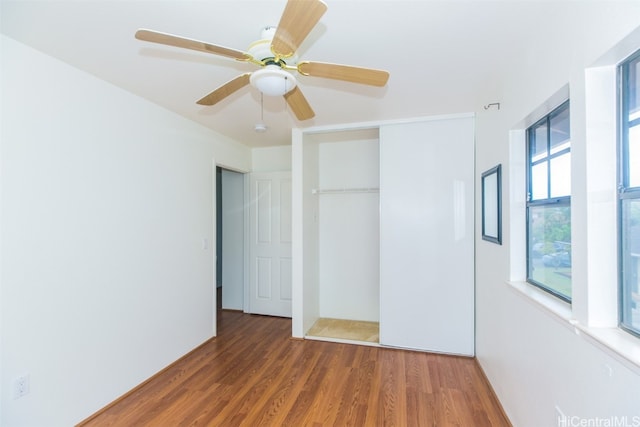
x=171 y=40
x=366 y=76
x=298 y=104
x=225 y=90
x=298 y=19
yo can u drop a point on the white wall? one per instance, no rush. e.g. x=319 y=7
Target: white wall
x=105 y=202
x=538 y=360
x=305 y=300
x=349 y=229
x=271 y=159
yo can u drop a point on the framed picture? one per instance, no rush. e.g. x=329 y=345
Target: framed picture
x=492 y=205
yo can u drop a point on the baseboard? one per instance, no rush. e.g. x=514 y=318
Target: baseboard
x=142 y=384
x=490 y=387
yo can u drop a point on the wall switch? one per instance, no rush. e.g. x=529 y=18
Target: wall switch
x=205 y=244
x=21 y=386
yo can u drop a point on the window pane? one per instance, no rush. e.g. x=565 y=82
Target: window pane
x=634 y=156
x=560 y=131
x=538 y=142
x=539 y=181
x=631 y=263
x=561 y=175
x=549 y=262
x=549 y=219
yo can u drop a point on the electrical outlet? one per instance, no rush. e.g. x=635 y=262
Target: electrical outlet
x=21 y=386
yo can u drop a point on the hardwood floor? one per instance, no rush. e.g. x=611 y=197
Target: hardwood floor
x=254 y=374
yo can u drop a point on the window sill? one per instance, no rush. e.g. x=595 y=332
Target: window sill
x=619 y=344
x=559 y=309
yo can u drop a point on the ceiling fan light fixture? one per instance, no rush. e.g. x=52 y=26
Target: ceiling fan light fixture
x=272 y=80
x=275 y=52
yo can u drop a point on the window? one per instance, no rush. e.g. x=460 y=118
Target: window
x=629 y=194
x=549 y=203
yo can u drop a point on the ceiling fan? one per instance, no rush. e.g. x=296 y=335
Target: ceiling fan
x=275 y=53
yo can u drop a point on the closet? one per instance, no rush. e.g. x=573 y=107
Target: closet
x=383 y=233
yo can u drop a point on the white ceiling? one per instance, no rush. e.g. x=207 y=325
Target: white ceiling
x=443 y=56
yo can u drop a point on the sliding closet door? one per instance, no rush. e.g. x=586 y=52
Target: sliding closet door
x=426 y=235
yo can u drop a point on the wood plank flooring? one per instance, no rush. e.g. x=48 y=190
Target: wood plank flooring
x=254 y=374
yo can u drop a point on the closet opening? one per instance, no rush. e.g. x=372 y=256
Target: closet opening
x=348 y=205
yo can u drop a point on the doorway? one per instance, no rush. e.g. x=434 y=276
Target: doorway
x=230 y=239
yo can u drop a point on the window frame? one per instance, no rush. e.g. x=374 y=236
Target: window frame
x=625 y=191
x=550 y=201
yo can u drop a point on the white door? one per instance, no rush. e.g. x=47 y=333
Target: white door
x=270 y=247
x=426 y=235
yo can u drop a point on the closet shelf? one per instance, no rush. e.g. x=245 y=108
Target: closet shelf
x=344 y=190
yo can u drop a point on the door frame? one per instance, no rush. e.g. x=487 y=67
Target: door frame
x=214 y=248
x=245 y=251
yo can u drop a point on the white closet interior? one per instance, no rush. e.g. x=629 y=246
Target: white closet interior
x=347 y=194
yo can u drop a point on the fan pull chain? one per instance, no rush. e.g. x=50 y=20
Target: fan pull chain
x=261 y=126
x=285 y=92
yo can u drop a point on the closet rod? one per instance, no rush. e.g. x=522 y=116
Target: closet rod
x=344 y=190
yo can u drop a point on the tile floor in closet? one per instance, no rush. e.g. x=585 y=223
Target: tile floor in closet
x=351 y=330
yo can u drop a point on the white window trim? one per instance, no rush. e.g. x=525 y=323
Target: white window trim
x=593 y=313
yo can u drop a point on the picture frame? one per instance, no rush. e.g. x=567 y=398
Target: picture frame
x=492 y=205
